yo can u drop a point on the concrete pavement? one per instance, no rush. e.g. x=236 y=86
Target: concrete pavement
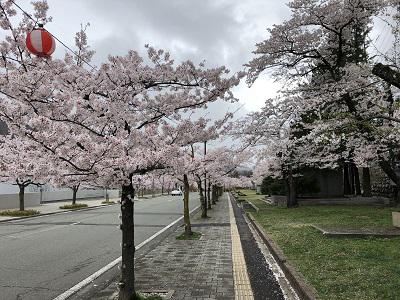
x=44 y=256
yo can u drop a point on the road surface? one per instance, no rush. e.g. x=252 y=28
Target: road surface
x=42 y=257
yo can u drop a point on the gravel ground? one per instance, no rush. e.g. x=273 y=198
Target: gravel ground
x=263 y=281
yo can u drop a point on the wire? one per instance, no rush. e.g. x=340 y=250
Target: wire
x=56 y=38
x=28 y=15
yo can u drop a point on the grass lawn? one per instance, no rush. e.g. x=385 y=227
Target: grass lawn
x=338 y=267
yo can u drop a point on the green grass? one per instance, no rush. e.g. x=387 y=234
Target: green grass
x=253 y=197
x=338 y=267
x=74 y=206
x=19 y=213
x=194 y=236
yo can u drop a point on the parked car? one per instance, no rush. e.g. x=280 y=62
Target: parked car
x=176 y=193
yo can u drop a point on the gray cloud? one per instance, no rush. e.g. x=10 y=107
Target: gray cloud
x=221 y=32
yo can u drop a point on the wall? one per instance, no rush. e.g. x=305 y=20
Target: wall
x=9 y=201
x=33 y=198
x=330 y=183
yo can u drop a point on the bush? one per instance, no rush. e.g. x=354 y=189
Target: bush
x=273 y=186
x=19 y=213
x=307 y=184
x=108 y=202
x=74 y=206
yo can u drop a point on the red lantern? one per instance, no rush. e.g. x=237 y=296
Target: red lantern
x=40 y=42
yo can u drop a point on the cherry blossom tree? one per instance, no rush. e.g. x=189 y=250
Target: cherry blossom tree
x=104 y=123
x=22 y=164
x=333 y=107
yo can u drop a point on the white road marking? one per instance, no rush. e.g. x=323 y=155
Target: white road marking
x=112 y=264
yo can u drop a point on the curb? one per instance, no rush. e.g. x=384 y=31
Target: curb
x=146 y=244
x=252 y=205
x=57 y=212
x=303 y=290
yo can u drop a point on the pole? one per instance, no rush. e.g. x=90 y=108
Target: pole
x=207 y=201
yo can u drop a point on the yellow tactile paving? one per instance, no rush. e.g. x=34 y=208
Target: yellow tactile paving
x=241 y=278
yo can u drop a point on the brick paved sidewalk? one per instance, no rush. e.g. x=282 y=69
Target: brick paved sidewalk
x=200 y=269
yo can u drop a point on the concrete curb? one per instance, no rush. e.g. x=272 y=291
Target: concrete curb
x=255 y=207
x=57 y=212
x=303 y=290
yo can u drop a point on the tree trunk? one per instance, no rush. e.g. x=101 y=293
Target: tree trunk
x=292 y=199
x=346 y=179
x=396 y=197
x=366 y=183
x=351 y=179
x=209 y=195
x=153 y=189
x=206 y=199
x=210 y=199
x=107 y=197
x=74 y=192
x=356 y=180
x=202 y=199
x=21 y=196
x=214 y=194
x=127 y=283
x=387 y=74
x=186 y=215
x=391 y=173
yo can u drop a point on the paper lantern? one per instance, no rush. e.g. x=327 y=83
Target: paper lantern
x=40 y=42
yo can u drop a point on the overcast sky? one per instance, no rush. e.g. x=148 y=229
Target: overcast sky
x=221 y=32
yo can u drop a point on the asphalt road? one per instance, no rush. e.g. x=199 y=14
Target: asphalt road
x=41 y=258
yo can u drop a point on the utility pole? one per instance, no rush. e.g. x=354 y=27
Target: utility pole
x=152 y=188
x=205 y=179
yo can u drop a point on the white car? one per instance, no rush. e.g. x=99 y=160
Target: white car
x=176 y=193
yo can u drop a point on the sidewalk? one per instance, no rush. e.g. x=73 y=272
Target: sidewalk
x=199 y=269
x=54 y=207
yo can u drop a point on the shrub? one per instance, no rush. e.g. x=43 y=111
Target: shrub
x=74 y=206
x=108 y=202
x=19 y=213
x=307 y=184
x=273 y=186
